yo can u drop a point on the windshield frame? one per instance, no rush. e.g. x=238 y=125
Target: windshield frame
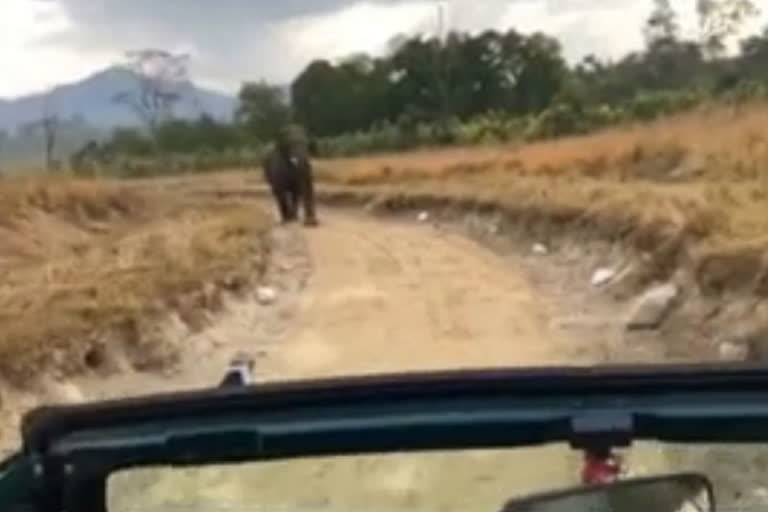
x=77 y=447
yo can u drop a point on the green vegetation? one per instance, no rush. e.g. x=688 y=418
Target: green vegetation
x=461 y=89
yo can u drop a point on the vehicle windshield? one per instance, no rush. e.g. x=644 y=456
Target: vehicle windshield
x=475 y=480
x=196 y=194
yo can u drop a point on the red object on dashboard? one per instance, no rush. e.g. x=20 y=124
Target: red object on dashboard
x=600 y=469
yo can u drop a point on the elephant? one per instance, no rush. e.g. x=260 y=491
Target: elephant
x=289 y=174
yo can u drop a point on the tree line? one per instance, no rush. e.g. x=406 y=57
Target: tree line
x=460 y=88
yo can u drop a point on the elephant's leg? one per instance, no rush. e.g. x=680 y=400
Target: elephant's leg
x=292 y=194
x=281 y=198
x=307 y=190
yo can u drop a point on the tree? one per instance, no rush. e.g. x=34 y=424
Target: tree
x=418 y=88
x=128 y=141
x=754 y=51
x=204 y=133
x=540 y=73
x=431 y=80
x=160 y=76
x=82 y=160
x=721 y=19
x=662 y=25
x=365 y=81
x=49 y=124
x=439 y=80
x=263 y=110
x=333 y=99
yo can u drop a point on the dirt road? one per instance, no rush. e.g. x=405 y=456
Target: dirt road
x=360 y=296
x=381 y=297
x=391 y=297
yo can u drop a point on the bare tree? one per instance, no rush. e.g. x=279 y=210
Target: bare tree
x=49 y=124
x=160 y=76
x=662 y=25
x=721 y=19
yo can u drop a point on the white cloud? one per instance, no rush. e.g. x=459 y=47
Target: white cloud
x=363 y=27
x=281 y=49
x=28 y=66
x=607 y=29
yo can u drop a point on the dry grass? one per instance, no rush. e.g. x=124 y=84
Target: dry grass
x=81 y=258
x=86 y=261
x=714 y=143
x=694 y=187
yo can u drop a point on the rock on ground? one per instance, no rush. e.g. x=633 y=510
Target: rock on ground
x=754 y=340
x=603 y=276
x=266 y=295
x=62 y=393
x=652 y=308
x=730 y=351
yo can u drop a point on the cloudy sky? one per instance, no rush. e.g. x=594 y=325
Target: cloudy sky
x=45 y=42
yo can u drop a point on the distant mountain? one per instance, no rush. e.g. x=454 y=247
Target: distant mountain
x=91 y=100
x=86 y=111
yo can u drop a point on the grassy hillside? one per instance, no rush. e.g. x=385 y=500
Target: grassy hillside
x=87 y=263
x=691 y=189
